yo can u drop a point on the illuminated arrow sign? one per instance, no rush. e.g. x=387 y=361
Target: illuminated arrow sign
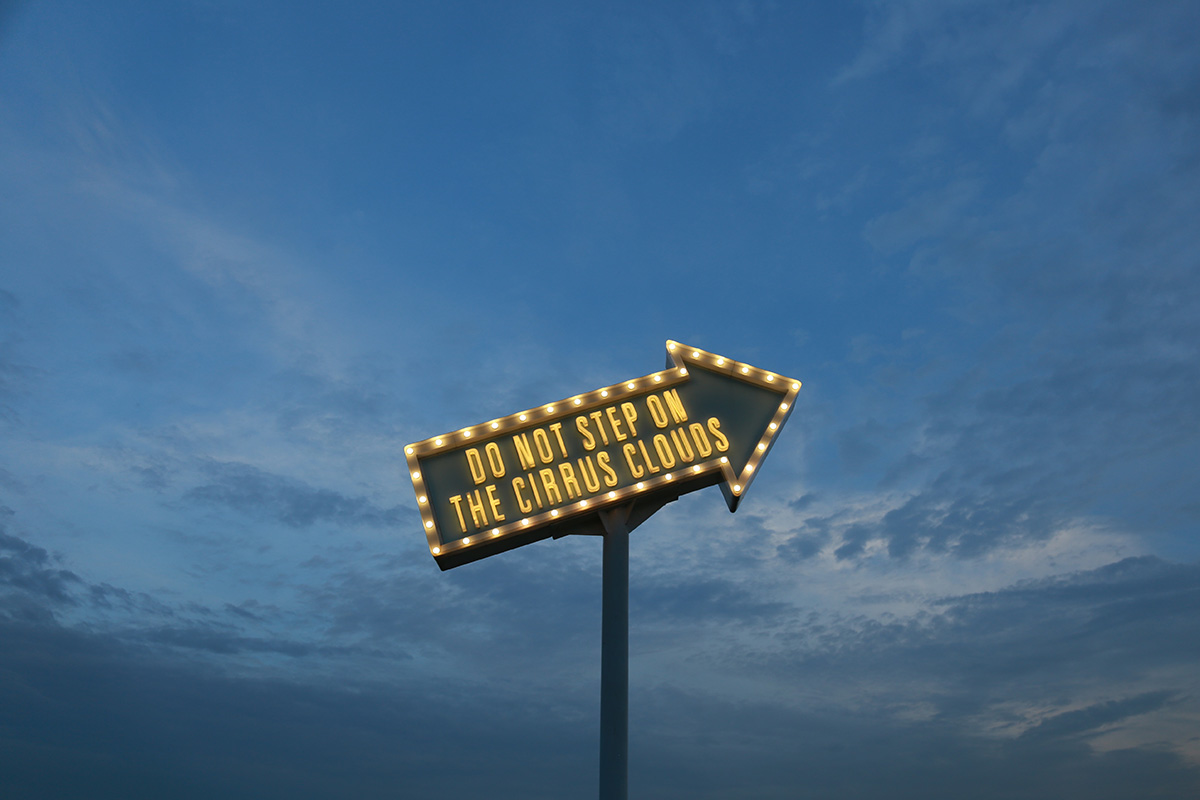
x=547 y=471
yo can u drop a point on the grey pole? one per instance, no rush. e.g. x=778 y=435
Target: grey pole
x=614 y=658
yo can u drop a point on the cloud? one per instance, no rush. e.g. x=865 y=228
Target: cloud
x=223 y=640
x=102 y=719
x=1009 y=661
x=696 y=746
x=1060 y=234
x=802 y=546
x=933 y=215
x=30 y=582
x=999 y=48
x=1048 y=682
x=1098 y=715
x=256 y=493
x=708 y=598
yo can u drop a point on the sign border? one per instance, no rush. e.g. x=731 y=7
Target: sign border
x=715 y=470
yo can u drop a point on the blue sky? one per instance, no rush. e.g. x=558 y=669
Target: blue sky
x=248 y=253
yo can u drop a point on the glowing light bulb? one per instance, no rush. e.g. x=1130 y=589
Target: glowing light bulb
x=408 y=450
x=438 y=442
x=695 y=354
x=795 y=386
x=783 y=406
x=495 y=531
x=466 y=434
x=466 y=540
x=724 y=460
x=720 y=362
x=737 y=487
x=549 y=409
x=495 y=425
x=745 y=370
x=578 y=401
x=630 y=384
x=773 y=426
x=696 y=468
x=583 y=503
x=770 y=379
x=749 y=468
x=611 y=495
x=641 y=485
x=416 y=475
x=437 y=550
x=683 y=370
x=554 y=513
x=522 y=418
x=421 y=499
x=604 y=393
x=657 y=378
x=669 y=476
x=761 y=446
x=525 y=521
x=428 y=524
x=671 y=347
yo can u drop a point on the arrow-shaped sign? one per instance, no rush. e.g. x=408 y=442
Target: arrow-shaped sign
x=547 y=471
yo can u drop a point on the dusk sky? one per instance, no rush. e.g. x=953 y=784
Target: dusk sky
x=249 y=251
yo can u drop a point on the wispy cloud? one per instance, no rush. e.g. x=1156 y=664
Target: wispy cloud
x=252 y=491
x=1067 y=260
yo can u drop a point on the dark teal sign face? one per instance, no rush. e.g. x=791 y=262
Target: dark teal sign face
x=546 y=471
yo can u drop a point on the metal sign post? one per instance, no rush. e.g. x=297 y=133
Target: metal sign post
x=600 y=463
x=614 y=657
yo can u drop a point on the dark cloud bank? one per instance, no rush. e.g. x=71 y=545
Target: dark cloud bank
x=121 y=711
